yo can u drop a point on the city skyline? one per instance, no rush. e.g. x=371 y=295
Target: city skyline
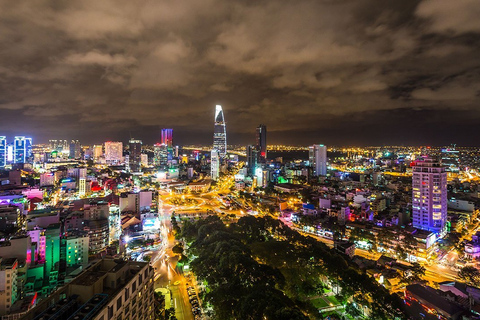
x=349 y=73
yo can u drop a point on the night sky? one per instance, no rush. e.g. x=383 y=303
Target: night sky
x=359 y=72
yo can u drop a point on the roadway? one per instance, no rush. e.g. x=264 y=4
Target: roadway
x=166 y=274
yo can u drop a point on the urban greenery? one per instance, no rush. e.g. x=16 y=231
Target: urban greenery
x=259 y=268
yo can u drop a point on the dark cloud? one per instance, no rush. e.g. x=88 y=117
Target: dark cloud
x=343 y=72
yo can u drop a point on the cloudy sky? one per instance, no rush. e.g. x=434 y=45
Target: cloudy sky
x=364 y=72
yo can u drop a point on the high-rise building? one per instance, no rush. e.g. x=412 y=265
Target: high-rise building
x=22 y=149
x=160 y=154
x=220 y=133
x=318 y=159
x=3 y=151
x=75 y=149
x=215 y=164
x=252 y=158
x=429 y=195
x=167 y=137
x=97 y=152
x=261 y=139
x=135 y=155
x=113 y=152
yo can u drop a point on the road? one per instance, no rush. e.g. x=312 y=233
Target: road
x=166 y=274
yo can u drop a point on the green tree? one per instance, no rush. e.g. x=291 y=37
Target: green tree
x=470 y=275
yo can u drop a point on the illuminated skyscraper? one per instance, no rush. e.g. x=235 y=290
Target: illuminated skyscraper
x=75 y=149
x=429 y=195
x=160 y=155
x=22 y=149
x=318 y=159
x=167 y=137
x=113 y=152
x=3 y=151
x=252 y=158
x=220 y=133
x=261 y=138
x=135 y=159
x=215 y=164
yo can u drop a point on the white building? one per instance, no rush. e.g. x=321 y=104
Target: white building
x=113 y=152
x=429 y=195
x=318 y=159
x=215 y=164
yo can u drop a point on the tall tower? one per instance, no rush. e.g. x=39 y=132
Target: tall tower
x=261 y=139
x=167 y=137
x=3 y=151
x=22 y=149
x=220 y=133
x=429 y=195
x=75 y=149
x=167 y=141
x=318 y=159
x=252 y=158
x=135 y=156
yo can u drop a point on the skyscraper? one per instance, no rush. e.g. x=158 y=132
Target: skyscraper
x=318 y=159
x=215 y=164
x=429 y=195
x=252 y=158
x=220 y=133
x=167 y=137
x=22 y=149
x=135 y=159
x=75 y=149
x=113 y=152
x=261 y=139
x=3 y=151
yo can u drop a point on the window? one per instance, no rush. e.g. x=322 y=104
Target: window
x=119 y=303
x=110 y=312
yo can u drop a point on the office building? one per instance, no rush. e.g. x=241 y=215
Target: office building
x=135 y=155
x=429 y=195
x=75 y=149
x=109 y=289
x=113 y=152
x=220 y=133
x=215 y=164
x=252 y=158
x=318 y=159
x=167 y=140
x=22 y=149
x=261 y=140
x=97 y=152
x=160 y=154
x=3 y=151
x=167 y=137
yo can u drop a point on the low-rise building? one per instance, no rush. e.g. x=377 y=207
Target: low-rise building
x=109 y=289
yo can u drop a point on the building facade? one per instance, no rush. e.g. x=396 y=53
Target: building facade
x=429 y=195
x=261 y=140
x=220 y=133
x=113 y=152
x=318 y=159
x=215 y=164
